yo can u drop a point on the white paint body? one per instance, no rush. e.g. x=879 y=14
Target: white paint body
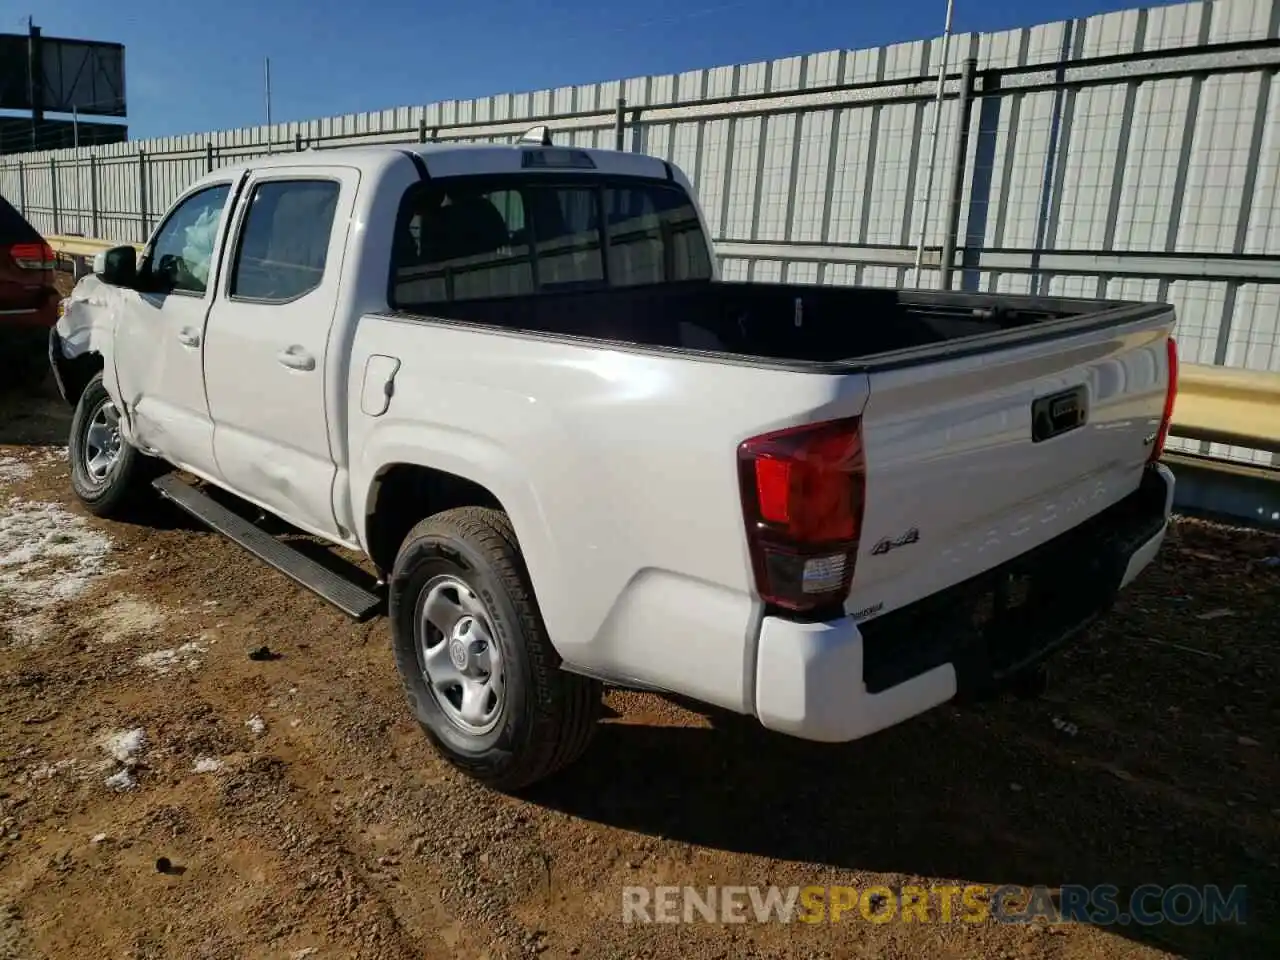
x=617 y=463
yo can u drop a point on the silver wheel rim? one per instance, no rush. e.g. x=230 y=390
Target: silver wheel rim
x=102 y=442
x=459 y=658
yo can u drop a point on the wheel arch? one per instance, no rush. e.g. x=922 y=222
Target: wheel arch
x=74 y=373
x=403 y=493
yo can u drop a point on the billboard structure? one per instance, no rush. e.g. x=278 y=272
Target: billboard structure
x=61 y=75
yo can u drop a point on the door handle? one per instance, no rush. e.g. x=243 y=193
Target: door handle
x=296 y=358
x=189 y=336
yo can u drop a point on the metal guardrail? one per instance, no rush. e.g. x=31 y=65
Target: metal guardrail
x=1216 y=404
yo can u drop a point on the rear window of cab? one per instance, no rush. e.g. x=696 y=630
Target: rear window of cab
x=472 y=238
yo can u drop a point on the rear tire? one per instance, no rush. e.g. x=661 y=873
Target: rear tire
x=109 y=476
x=480 y=673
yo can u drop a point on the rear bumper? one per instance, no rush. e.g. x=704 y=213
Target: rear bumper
x=838 y=680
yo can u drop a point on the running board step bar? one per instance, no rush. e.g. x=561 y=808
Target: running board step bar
x=350 y=598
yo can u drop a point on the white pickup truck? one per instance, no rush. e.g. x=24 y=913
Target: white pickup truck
x=511 y=378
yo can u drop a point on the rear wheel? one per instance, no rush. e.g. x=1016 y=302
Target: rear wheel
x=108 y=475
x=474 y=657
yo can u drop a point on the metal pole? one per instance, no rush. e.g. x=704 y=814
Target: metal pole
x=95 y=226
x=959 y=154
x=53 y=194
x=267 y=65
x=142 y=193
x=208 y=157
x=75 y=125
x=35 y=80
x=620 y=125
x=933 y=141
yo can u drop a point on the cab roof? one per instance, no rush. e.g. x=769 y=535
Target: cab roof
x=460 y=159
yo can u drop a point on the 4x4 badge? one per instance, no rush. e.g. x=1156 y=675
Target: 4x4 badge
x=887 y=544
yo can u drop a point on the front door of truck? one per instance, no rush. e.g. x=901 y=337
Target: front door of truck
x=161 y=328
x=267 y=351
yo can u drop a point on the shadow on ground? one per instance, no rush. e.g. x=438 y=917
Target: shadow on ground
x=932 y=798
x=34 y=415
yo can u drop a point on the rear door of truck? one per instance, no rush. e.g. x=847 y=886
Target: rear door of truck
x=981 y=451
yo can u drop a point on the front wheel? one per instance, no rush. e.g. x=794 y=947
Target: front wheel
x=107 y=473
x=474 y=657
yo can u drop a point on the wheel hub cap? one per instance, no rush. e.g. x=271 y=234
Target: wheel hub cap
x=460 y=662
x=102 y=442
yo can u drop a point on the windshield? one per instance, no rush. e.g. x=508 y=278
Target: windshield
x=501 y=236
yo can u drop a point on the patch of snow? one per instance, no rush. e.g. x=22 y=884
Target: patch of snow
x=121 y=780
x=47 y=556
x=11 y=469
x=125 y=745
x=207 y=765
x=256 y=724
x=162 y=662
x=128 y=618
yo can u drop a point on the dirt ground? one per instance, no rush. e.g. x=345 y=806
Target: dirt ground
x=302 y=813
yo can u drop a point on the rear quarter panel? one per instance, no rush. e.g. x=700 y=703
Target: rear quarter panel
x=618 y=469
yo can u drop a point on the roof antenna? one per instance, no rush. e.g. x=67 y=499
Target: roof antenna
x=539 y=135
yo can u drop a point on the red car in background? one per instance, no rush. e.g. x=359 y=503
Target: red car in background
x=28 y=298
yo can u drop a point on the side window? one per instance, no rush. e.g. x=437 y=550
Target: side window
x=284 y=241
x=182 y=251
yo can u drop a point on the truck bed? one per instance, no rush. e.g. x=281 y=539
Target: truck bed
x=809 y=324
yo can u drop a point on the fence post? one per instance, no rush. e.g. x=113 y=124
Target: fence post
x=297 y=142
x=208 y=156
x=142 y=192
x=947 y=263
x=94 y=224
x=22 y=188
x=620 y=125
x=422 y=129
x=53 y=194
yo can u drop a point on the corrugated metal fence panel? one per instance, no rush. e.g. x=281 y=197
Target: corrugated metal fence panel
x=1179 y=176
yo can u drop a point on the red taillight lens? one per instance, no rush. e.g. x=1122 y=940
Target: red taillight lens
x=802 y=495
x=1171 y=395
x=33 y=256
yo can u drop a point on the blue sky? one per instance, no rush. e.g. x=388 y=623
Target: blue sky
x=197 y=66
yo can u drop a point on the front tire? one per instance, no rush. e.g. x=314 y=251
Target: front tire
x=474 y=657
x=108 y=474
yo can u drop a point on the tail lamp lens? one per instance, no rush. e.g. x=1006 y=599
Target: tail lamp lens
x=32 y=256
x=803 y=491
x=1170 y=396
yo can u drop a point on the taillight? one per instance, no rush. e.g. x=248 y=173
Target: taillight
x=803 y=491
x=33 y=256
x=1171 y=394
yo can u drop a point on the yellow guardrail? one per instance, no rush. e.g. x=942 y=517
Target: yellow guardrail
x=73 y=246
x=1228 y=405
x=1218 y=404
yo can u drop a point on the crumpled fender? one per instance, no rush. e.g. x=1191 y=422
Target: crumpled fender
x=89 y=318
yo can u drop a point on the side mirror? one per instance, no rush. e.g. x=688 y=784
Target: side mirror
x=117 y=266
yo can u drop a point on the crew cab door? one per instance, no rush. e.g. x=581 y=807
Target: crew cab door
x=267 y=349
x=161 y=328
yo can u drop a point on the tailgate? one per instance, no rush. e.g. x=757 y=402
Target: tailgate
x=973 y=460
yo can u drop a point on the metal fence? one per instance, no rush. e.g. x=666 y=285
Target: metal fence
x=1131 y=155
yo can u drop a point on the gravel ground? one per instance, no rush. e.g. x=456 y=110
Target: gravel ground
x=300 y=813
